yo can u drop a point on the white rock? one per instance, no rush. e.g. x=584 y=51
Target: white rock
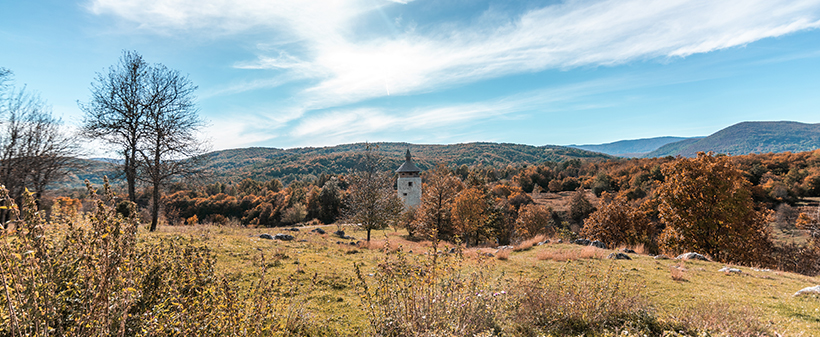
x=729 y=270
x=808 y=291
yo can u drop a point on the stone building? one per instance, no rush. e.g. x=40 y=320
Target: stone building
x=409 y=182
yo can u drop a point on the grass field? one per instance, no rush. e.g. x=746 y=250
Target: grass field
x=322 y=267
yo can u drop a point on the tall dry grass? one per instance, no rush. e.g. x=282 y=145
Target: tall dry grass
x=529 y=243
x=572 y=253
x=69 y=278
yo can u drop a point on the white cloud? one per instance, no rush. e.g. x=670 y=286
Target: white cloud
x=318 y=40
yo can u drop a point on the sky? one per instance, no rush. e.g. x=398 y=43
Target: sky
x=285 y=74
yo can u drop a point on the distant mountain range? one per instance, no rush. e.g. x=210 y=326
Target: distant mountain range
x=748 y=137
x=630 y=148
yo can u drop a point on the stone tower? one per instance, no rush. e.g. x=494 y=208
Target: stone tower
x=409 y=182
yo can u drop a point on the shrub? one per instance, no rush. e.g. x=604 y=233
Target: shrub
x=429 y=296
x=581 y=302
x=64 y=278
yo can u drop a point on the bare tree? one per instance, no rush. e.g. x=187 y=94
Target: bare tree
x=117 y=111
x=34 y=149
x=372 y=202
x=169 y=147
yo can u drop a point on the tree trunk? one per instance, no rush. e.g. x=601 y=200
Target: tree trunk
x=368 y=235
x=155 y=208
x=131 y=174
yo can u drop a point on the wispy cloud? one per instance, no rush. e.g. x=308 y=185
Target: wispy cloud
x=571 y=34
x=319 y=41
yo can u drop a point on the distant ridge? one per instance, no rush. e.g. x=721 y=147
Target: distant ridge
x=749 y=137
x=299 y=163
x=630 y=148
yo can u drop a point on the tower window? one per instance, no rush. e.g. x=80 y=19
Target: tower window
x=410 y=184
x=405 y=194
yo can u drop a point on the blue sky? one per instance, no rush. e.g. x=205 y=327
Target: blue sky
x=324 y=72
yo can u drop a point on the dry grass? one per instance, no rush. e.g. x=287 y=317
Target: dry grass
x=722 y=318
x=639 y=249
x=569 y=254
x=677 y=272
x=529 y=243
x=503 y=254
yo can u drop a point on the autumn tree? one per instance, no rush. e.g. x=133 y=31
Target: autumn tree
x=706 y=206
x=435 y=218
x=470 y=210
x=618 y=222
x=372 y=203
x=534 y=219
x=811 y=224
x=580 y=207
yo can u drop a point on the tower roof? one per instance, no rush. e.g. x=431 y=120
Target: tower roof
x=408 y=166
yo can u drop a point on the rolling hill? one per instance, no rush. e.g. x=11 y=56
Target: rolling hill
x=630 y=148
x=749 y=137
x=293 y=164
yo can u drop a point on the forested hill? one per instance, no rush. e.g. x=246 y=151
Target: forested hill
x=749 y=137
x=293 y=164
x=630 y=148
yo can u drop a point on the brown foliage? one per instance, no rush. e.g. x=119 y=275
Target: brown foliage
x=534 y=219
x=617 y=222
x=706 y=206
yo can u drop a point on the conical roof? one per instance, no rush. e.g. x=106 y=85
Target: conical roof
x=408 y=166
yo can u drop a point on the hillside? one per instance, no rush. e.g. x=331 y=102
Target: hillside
x=630 y=148
x=291 y=164
x=749 y=137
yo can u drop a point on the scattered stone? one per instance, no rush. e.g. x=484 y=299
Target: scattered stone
x=318 y=230
x=544 y=242
x=729 y=270
x=762 y=270
x=292 y=229
x=283 y=237
x=352 y=243
x=452 y=250
x=266 y=236
x=691 y=256
x=661 y=257
x=598 y=244
x=619 y=256
x=559 y=241
x=808 y=291
x=489 y=255
x=303 y=240
x=338 y=242
x=628 y=251
x=582 y=242
x=505 y=247
x=340 y=234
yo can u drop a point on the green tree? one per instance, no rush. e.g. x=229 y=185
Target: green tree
x=707 y=207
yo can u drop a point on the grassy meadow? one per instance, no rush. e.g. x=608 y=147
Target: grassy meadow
x=751 y=302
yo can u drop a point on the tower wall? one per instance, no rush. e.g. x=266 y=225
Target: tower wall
x=409 y=189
